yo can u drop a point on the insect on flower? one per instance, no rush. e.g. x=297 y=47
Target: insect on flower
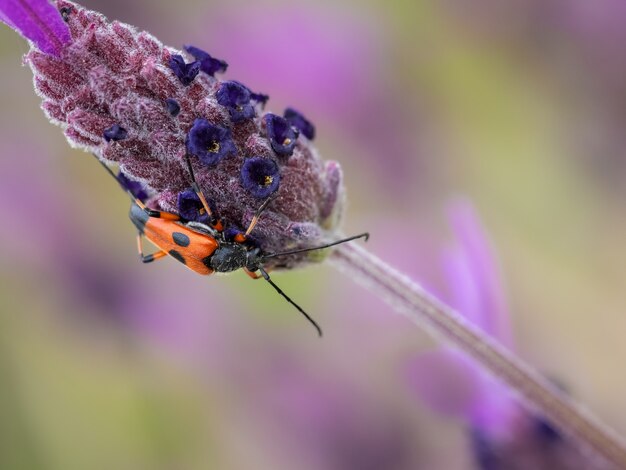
x=189 y=145
x=208 y=248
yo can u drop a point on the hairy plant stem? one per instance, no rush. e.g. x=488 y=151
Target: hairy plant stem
x=534 y=391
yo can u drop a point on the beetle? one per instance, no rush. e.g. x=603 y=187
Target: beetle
x=204 y=248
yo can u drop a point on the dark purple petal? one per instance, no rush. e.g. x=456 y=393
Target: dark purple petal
x=115 y=133
x=208 y=64
x=301 y=123
x=137 y=189
x=260 y=176
x=185 y=72
x=173 y=107
x=281 y=133
x=260 y=98
x=210 y=143
x=190 y=207
x=236 y=98
x=38 y=21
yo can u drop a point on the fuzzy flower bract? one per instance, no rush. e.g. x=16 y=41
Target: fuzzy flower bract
x=122 y=95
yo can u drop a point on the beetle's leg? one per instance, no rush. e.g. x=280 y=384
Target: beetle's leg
x=148 y=258
x=253 y=275
x=156 y=214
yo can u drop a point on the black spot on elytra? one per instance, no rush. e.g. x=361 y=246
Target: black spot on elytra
x=181 y=239
x=176 y=255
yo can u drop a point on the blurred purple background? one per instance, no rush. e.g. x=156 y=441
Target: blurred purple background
x=520 y=107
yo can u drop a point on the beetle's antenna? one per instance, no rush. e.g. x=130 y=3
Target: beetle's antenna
x=110 y=172
x=278 y=289
x=106 y=167
x=321 y=247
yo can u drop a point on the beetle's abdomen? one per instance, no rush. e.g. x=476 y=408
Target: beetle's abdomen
x=189 y=247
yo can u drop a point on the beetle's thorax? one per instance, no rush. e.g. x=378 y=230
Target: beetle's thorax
x=228 y=257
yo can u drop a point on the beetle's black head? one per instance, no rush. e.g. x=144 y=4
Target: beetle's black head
x=254 y=260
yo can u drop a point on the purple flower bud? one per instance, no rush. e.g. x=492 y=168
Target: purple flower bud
x=190 y=207
x=173 y=107
x=185 y=72
x=115 y=133
x=236 y=98
x=260 y=176
x=297 y=120
x=208 y=64
x=281 y=134
x=210 y=143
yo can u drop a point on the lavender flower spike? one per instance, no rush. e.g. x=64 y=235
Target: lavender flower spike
x=39 y=22
x=122 y=95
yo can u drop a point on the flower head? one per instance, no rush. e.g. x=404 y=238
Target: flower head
x=260 y=176
x=282 y=134
x=210 y=143
x=122 y=95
